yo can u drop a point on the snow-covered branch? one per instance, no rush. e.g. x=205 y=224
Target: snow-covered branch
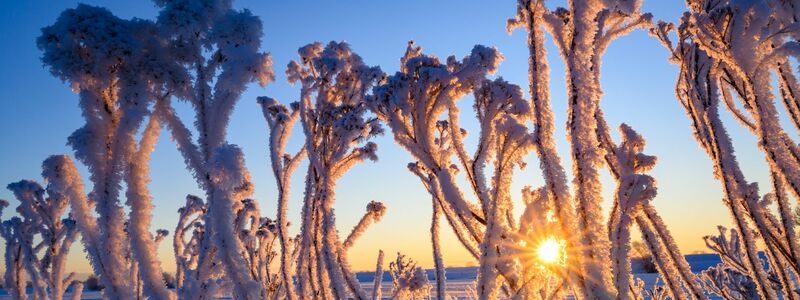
x=334 y=117
x=735 y=46
x=43 y=225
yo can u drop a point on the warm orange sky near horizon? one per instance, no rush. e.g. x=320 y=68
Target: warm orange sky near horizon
x=638 y=85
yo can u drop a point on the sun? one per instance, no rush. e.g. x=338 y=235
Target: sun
x=550 y=251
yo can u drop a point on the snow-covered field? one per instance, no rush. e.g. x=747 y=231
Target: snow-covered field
x=461 y=280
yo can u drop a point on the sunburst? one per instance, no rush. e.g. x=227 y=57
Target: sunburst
x=551 y=251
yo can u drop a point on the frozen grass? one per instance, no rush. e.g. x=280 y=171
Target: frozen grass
x=461 y=280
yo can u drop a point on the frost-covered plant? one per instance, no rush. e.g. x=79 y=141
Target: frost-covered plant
x=281 y=122
x=77 y=290
x=729 y=283
x=728 y=279
x=138 y=280
x=120 y=70
x=412 y=103
x=408 y=280
x=419 y=106
x=219 y=47
x=186 y=249
x=259 y=235
x=39 y=239
x=378 y=280
x=638 y=291
x=187 y=245
x=334 y=82
x=598 y=264
x=375 y=212
x=13 y=277
x=658 y=292
x=126 y=72
x=728 y=51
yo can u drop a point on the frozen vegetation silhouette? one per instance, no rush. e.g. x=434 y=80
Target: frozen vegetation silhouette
x=128 y=74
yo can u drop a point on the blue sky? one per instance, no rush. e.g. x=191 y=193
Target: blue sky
x=39 y=112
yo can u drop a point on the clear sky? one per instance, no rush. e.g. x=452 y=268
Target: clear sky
x=39 y=112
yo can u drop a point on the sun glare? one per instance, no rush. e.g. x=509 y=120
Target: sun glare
x=549 y=251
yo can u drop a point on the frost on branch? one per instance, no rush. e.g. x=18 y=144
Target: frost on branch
x=408 y=280
x=187 y=239
x=13 y=280
x=376 y=284
x=258 y=236
x=375 y=211
x=728 y=52
x=411 y=103
x=582 y=32
x=728 y=279
x=220 y=47
x=39 y=239
x=127 y=72
x=334 y=83
x=280 y=122
x=418 y=105
x=120 y=69
x=635 y=190
x=231 y=181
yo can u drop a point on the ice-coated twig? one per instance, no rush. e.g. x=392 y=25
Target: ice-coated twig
x=726 y=47
x=438 y=263
x=409 y=281
x=376 y=282
x=334 y=117
x=280 y=122
x=40 y=227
